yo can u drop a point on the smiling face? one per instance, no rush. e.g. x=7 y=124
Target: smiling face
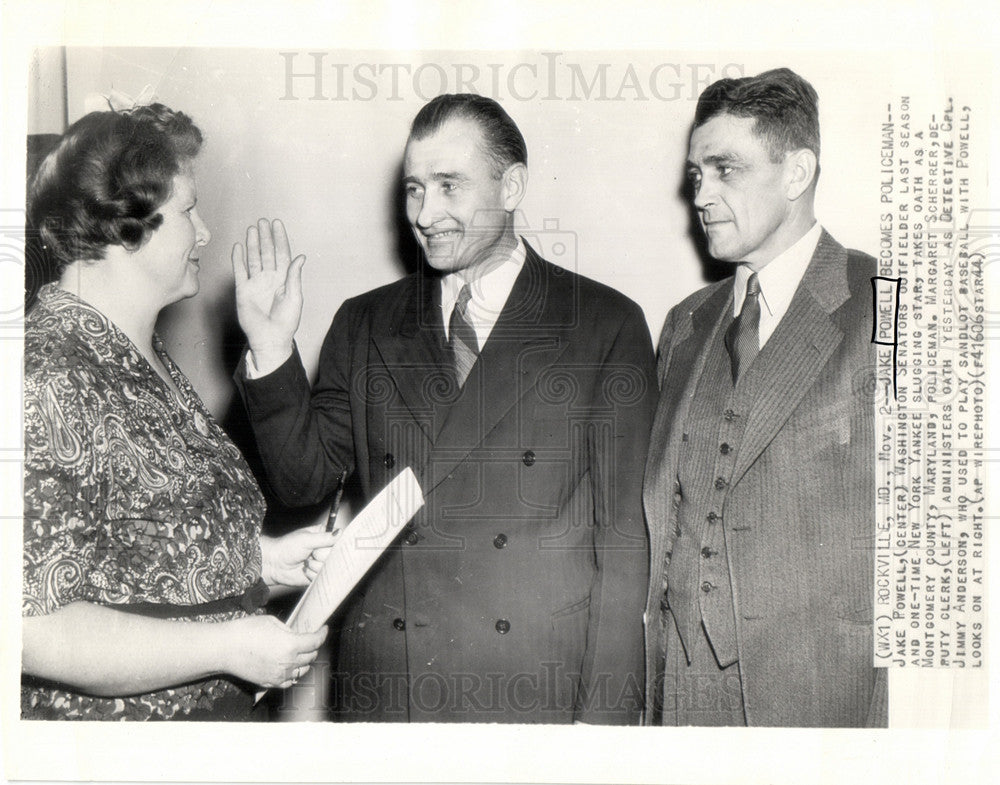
x=459 y=209
x=170 y=258
x=741 y=195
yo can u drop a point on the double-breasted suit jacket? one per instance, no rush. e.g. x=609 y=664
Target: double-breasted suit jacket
x=516 y=593
x=798 y=514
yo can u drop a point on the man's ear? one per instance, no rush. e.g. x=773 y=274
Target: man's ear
x=515 y=183
x=800 y=169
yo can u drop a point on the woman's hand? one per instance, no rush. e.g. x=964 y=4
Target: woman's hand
x=268 y=293
x=264 y=651
x=295 y=558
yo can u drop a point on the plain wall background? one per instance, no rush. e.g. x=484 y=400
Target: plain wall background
x=606 y=176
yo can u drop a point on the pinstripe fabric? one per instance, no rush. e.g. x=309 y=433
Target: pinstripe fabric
x=679 y=361
x=462 y=337
x=799 y=508
x=699 y=584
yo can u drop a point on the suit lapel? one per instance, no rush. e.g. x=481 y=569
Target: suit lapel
x=798 y=350
x=688 y=353
x=414 y=351
x=510 y=364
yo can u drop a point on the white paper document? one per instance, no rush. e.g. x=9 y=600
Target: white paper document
x=355 y=551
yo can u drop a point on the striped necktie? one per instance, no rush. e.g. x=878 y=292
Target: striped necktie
x=742 y=340
x=461 y=337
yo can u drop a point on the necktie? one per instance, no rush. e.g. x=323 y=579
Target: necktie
x=742 y=341
x=461 y=337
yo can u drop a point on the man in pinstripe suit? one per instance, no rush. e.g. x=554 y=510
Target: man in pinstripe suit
x=759 y=488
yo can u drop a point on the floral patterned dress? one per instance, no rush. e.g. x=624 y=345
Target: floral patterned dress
x=130 y=496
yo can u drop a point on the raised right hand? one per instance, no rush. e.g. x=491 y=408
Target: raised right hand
x=264 y=651
x=268 y=292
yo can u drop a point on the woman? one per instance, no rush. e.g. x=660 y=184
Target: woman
x=144 y=564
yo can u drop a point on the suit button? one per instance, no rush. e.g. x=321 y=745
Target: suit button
x=712 y=517
x=664 y=603
x=720 y=483
x=500 y=541
x=707 y=587
x=729 y=414
x=412 y=538
x=724 y=448
x=707 y=552
x=399 y=624
x=528 y=459
x=502 y=626
x=389 y=460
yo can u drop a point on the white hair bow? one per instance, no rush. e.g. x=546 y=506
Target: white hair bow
x=117 y=101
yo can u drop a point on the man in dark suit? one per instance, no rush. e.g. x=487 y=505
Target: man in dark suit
x=759 y=488
x=521 y=394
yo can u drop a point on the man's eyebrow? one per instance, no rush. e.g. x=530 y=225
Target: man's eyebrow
x=722 y=158
x=437 y=177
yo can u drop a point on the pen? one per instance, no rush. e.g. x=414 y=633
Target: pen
x=331 y=521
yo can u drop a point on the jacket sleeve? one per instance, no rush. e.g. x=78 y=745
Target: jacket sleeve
x=611 y=684
x=664 y=347
x=305 y=436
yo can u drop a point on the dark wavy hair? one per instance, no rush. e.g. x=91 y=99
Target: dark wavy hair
x=107 y=179
x=504 y=142
x=785 y=108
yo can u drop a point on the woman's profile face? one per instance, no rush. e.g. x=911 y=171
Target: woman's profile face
x=170 y=258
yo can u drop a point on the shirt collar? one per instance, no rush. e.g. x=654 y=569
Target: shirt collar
x=780 y=277
x=489 y=291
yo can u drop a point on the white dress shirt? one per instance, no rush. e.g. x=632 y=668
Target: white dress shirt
x=778 y=280
x=489 y=295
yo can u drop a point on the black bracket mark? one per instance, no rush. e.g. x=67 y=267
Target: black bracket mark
x=885 y=307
